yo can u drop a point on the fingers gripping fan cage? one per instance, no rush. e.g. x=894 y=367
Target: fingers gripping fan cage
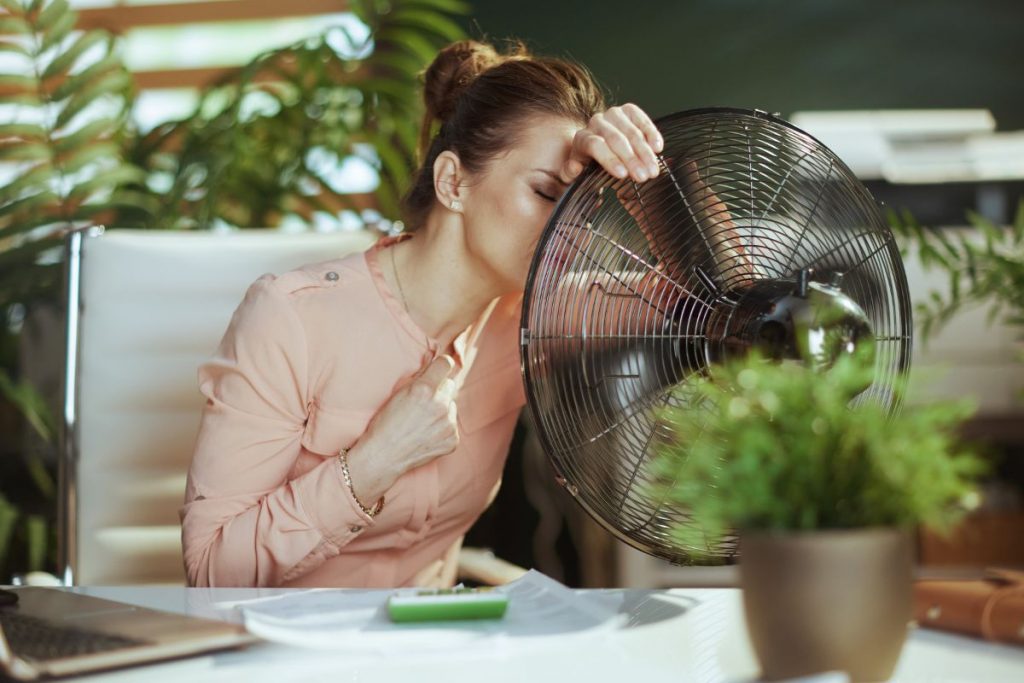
x=753 y=236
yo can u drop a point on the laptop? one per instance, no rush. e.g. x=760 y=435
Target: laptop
x=51 y=632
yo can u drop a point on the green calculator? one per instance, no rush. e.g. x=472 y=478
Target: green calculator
x=450 y=604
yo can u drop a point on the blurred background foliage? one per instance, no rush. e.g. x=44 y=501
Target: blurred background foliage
x=264 y=143
x=984 y=266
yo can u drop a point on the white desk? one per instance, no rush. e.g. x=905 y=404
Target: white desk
x=677 y=635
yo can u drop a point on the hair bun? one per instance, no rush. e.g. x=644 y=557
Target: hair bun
x=452 y=71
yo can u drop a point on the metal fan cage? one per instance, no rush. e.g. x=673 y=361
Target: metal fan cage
x=635 y=287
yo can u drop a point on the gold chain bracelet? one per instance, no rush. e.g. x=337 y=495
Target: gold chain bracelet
x=343 y=459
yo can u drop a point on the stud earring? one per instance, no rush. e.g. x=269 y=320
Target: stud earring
x=456 y=205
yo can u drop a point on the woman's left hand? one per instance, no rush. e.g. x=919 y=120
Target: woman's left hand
x=623 y=139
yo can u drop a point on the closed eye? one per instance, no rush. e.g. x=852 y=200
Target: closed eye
x=547 y=197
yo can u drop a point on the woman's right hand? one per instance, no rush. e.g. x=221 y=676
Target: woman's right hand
x=416 y=425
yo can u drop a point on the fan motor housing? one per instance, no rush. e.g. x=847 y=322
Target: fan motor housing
x=804 y=321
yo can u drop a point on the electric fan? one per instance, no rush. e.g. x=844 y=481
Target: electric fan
x=753 y=236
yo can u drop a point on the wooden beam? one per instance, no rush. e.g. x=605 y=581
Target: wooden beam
x=184 y=78
x=201 y=77
x=178 y=78
x=121 y=18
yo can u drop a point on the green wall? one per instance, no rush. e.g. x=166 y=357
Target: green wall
x=783 y=56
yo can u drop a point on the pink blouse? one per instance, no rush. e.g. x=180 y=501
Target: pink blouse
x=307 y=360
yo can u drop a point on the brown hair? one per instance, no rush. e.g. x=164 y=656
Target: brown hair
x=481 y=99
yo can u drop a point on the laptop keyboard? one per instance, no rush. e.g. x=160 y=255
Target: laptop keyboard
x=34 y=638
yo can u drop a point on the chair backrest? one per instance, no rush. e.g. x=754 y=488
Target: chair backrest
x=145 y=308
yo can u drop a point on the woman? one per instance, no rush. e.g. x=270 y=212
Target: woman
x=359 y=411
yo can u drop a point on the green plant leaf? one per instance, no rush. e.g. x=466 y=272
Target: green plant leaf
x=31 y=404
x=782 y=447
x=412 y=41
x=81 y=81
x=51 y=15
x=27 y=204
x=58 y=31
x=29 y=251
x=101 y=128
x=35 y=540
x=64 y=61
x=26 y=131
x=13 y=6
x=12 y=47
x=402 y=62
x=450 y=6
x=20 y=98
x=139 y=201
x=994 y=270
x=88 y=154
x=106 y=180
x=112 y=83
x=25 y=226
x=25 y=152
x=17 y=82
x=8 y=519
x=14 y=25
x=430 y=21
x=36 y=178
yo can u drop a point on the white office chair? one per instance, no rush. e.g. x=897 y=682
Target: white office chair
x=145 y=308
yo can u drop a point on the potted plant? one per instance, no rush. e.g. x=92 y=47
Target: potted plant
x=822 y=489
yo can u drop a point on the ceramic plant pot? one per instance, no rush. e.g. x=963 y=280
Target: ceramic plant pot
x=827 y=600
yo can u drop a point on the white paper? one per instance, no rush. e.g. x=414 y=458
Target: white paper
x=357 y=621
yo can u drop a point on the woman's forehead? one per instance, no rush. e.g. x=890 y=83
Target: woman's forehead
x=546 y=141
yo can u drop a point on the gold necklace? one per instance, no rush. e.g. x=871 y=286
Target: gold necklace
x=398 y=281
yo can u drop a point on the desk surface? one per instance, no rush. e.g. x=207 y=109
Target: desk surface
x=680 y=635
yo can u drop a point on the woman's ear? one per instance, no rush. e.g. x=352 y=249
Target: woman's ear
x=448 y=177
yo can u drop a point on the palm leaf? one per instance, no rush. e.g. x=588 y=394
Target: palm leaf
x=429 y=21
x=14 y=25
x=83 y=80
x=29 y=151
x=26 y=131
x=84 y=156
x=449 y=6
x=250 y=169
x=61 y=63
x=98 y=129
x=29 y=182
x=415 y=43
x=14 y=48
x=59 y=30
x=27 y=204
x=9 y=515
x=111 y=83
x=51 y=15
x=18 y=82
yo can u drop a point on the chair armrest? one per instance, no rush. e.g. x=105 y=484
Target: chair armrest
x=481 y=566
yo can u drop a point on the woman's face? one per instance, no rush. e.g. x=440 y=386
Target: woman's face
x=509 y=202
